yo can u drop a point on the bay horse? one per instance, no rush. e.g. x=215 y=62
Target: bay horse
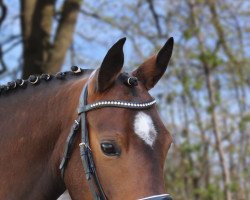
x=123 y=142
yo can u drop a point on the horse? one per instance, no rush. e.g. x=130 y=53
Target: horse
x=107 y=113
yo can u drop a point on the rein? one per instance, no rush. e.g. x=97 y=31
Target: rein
x=85 y=150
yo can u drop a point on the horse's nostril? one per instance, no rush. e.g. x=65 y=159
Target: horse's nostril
x=158 y=197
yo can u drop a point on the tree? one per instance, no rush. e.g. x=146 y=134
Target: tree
x=42 y=51
x=46 y=34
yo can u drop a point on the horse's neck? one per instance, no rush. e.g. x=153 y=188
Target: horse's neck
x=33 y=129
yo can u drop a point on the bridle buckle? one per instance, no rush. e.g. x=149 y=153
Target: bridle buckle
x=83 y=144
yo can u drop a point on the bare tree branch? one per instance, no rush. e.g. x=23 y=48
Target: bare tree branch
x=3 y=64
x=12 y=46
x=155 y=16
x=3 y=8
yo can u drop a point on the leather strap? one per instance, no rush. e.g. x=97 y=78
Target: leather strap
x=117 y=104
x=69 y=146
x=86 y=154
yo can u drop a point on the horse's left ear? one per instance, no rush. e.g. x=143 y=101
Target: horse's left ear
x=111 y=66
x=150 y=72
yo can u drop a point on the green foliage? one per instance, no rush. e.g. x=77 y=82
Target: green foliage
x=210 y=109
x=218 y=97
x=234 y=186
x=198 y=83
x=188 y=34
x=188 y=148
x=212 y=192
x=244 y=122
x=170 y=97
x=211 y=58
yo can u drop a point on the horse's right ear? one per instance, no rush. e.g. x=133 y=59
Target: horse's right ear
x=111 y=66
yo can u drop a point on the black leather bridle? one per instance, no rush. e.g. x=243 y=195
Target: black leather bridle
x=85 y=150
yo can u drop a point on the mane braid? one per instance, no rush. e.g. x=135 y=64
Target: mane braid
x=36 y=79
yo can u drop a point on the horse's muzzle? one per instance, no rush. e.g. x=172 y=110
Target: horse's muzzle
x=158 y=197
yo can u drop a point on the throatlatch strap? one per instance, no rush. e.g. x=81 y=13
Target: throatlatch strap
x=69 y=146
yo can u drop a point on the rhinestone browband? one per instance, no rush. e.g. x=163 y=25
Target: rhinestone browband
x=118 y=104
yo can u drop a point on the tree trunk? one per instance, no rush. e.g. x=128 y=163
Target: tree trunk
x=40 y=55
x=211 y=95
x=217 y=134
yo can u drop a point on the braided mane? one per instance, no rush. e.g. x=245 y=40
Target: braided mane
x=36 y=79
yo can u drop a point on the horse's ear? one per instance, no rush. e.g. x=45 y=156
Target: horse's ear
x=152 y=69
x=111 y=66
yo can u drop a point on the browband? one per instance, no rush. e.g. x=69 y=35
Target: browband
x=117 y=104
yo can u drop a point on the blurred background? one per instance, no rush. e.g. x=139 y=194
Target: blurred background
x=204 y=97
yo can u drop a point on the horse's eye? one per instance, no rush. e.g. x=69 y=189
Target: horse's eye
x=110 y=149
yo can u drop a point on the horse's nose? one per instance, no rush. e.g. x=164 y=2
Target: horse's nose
x=158 y=197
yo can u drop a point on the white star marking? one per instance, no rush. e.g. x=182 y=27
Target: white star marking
x=144 y=128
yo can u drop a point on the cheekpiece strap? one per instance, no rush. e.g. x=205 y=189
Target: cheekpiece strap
x=86 y=153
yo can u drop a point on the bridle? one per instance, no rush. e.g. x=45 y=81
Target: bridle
x=85 y=150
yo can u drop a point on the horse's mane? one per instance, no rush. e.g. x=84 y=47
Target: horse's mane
x=38 y=79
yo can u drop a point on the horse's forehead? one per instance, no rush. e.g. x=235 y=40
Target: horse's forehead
x=140 y=122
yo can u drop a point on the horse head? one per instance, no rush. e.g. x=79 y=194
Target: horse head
x=127 y=139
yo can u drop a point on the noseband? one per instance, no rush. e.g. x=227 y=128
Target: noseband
x=85 y=149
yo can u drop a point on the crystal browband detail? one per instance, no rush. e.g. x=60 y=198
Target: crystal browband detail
x=122 y=103
x=116 y=103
